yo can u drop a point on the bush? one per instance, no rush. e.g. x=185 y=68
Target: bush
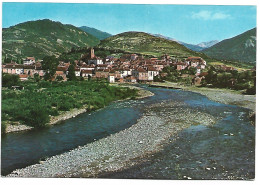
x=37 y=117
x=3 y=127
x=251 y=91
x=34 y=107
x=59 y=78
x=44 y=84
x=36 y=77
x=9 y=80
x=65 y=106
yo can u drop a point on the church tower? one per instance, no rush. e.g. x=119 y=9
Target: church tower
x=92 y=54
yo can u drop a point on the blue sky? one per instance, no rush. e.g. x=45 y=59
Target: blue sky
x=188 y=23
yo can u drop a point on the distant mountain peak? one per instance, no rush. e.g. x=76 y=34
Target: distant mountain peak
x=208 y=44
x=241 y=48
x=194 y=47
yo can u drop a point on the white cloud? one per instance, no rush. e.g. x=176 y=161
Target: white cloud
x=208 y=15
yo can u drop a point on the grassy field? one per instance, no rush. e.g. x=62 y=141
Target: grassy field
x=238 y=65
x=34 y=105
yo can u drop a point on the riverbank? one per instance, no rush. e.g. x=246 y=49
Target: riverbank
x=64 y=115
x=142 y=93
x=225 y=96
x=121 y=150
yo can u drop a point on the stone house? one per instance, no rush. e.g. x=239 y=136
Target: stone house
x=86 y=73
x=140 y=74
x=152 y=72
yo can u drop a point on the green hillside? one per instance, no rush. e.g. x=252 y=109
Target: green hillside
x=143 y=43
x=43 y=37
x=241 y=48
x=95 y=32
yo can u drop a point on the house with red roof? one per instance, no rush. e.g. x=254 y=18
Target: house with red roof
x=13 y=69
x=23 y=77
x=181 y=66
x=131 y=79
x=86 y=73
x=152 y=72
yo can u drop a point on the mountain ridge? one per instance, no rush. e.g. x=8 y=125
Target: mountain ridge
x=43 y=37
x=95 y=32
x=148 y=44
x=241 y=48
x=194 y=47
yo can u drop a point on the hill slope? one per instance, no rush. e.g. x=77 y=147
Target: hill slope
x=241 y=48
x=43 y=37
x=144 y=43
x=95 y=32
x=194 y=47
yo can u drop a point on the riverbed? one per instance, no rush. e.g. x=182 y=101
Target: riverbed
x=172 y=135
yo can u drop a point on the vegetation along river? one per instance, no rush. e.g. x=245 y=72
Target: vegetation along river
x=224 y=150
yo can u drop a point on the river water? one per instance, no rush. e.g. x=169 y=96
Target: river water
x=225 y=150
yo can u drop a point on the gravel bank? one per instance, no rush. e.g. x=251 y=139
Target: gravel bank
x=142 y=93
x=225 y=96
x=53 y=120
x=118 y=151
x=228 y=97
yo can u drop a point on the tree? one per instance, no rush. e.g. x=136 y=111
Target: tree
x=36 y=77
x=192 y=70
x=9 y=80
x=212 y=76
x=59 y=78
x=49 y=64
x=7 y=60
x=71 y=73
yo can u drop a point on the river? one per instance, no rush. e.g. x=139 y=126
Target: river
x=225 y=150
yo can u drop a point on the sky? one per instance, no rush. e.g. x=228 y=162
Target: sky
x=188 y=23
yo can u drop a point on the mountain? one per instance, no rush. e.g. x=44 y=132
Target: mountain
x=207 y=44
x=43 y=37
x=144 y=43
x=241 y=48
x=193 y=47
x=95 y=32
x=190 y=46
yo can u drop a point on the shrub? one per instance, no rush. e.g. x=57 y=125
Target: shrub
x=44 y=84
x=3 y=127
x=251 y=91
x=37 y=117
x=65 y=106
x=9 y=80
x=59 y=78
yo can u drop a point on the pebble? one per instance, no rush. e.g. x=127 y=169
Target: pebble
x=150 y=128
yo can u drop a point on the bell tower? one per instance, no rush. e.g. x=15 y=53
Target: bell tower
x=92 y=54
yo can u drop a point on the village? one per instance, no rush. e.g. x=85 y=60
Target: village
x=129 y=68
